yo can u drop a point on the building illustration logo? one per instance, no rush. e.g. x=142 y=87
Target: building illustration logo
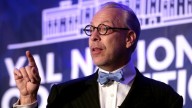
x=66 y=22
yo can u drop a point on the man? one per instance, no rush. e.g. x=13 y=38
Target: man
x=114 y=32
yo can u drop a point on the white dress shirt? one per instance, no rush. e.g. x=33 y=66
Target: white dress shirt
x=112 y=95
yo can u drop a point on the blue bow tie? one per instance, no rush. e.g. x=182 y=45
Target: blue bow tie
x=104 y=78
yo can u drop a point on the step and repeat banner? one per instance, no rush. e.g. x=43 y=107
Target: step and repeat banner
x=52 y=31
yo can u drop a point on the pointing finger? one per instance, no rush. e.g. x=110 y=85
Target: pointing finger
x=30 y=59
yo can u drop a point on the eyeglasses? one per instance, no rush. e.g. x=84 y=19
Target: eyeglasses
x=102 y=29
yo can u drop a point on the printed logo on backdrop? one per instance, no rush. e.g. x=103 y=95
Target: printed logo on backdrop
x=65 y=23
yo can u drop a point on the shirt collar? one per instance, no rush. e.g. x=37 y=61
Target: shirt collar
x=128 y=70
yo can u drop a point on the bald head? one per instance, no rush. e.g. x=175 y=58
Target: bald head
x=130 y=20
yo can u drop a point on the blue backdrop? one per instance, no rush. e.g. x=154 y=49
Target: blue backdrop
x=52 y=31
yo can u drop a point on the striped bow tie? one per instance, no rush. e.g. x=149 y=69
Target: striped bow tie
x=104 y=78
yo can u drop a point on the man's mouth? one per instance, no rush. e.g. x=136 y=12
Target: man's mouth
x=96 y=50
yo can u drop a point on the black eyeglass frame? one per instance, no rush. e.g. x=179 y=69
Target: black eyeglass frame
x=107 y=28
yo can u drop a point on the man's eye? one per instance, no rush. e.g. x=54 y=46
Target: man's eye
x=103 y=29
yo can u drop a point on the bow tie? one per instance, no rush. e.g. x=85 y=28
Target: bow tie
x=104 y=78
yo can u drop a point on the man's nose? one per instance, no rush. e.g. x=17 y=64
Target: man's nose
x=95 y=36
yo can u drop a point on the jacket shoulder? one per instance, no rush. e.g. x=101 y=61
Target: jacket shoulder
x=63 y=94
x=162 y=92
x=79 y=82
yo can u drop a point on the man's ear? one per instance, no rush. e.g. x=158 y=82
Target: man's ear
x=130 y=39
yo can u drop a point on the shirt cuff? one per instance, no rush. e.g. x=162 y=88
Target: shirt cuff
x=32 y=105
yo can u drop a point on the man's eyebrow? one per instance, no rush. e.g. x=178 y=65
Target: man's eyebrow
x=103 y=22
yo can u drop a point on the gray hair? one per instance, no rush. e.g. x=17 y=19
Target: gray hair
x=131 y=19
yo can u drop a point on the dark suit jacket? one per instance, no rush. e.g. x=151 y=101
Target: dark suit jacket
x=84 y=93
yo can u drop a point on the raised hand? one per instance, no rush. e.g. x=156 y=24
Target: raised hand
x=27 y=80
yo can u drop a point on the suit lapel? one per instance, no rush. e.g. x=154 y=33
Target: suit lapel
x=89 y=98
x=93 y=92
x=138 y=95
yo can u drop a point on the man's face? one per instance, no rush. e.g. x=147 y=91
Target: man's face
x=109 y=51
